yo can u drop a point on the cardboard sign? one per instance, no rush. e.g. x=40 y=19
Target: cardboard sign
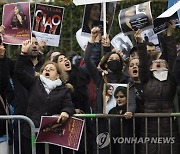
x=123 y=43
x=67 y=134
x=135 y=17
x=95 y=18
x=169 y=12
x=110 y=92
x=17 y=22
x=83 y=2
x=47 y=23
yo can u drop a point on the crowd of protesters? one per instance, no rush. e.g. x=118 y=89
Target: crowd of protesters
x=56 y=83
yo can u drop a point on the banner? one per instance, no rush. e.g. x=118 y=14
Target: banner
x=17 y=22
x=93 y=17
x=135 y=17
x=67 y=134
x=47 y=23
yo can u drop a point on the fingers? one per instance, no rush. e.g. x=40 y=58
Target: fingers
x=2 y=29
x=63 y=117
x=128 y=115
x=78 y=111
x=25 y=46
x=138 y=36
x=105 y=40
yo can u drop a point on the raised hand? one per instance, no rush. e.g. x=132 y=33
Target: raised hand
x=25 y=47
x=171 y=27
x=95 y=32
x=138 y=37
x=105 y=41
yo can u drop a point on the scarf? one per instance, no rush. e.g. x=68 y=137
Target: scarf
x=48 y=84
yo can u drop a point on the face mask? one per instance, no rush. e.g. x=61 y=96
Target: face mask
x=161 y=74
x=114 y=66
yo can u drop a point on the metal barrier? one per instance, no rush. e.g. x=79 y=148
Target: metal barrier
x=95 y=124
x=31 y=124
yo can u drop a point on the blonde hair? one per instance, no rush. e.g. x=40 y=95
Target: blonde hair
x=62 y=75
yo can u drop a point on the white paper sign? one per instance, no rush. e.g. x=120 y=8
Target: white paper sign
x=83 y=2
x=170 y=11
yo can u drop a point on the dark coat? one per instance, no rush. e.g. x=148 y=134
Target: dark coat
x=121 y=127
x=21 y=93
x=40 y=103
x=158 y=97
x=6 y=71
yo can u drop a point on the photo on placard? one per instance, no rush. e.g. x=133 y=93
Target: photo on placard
x=149 y=36
x=114 y=96
x=110 y=12
x=121 y=42
x=17 y=22
x=66 y=134
x=161 y=24
x=93 y=17
x=92 y=13
x=47 y=23
x=135 y=17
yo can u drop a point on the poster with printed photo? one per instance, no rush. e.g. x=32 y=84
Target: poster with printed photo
x=149 y=36
x=122 y=43
x=67 y=134
x=47 y=23
x=171 y=14
x=93 y=16
x=135 y=17
x=111 y=96
x=171 y=3
x=17 y=22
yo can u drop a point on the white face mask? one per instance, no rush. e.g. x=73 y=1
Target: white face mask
x=160 y=74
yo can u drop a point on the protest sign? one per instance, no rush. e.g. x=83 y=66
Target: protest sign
x=17 y=22
x=67 y=134
x=171 y=3
x=135 y=17
x=47 y=23
x=82 y=40
x=93 y=16
x=84 y=2
x=149 y=36
x=160 y=23
x=110 y=93
x=122 y=43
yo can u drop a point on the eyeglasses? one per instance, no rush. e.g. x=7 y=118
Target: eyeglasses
x=159 y=61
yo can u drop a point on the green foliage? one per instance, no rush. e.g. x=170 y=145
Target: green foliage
x=73 y=20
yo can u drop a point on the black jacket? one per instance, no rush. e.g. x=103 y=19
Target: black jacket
x=21 y=93
x=39 y=102
x=158 y=98
x=6 y=72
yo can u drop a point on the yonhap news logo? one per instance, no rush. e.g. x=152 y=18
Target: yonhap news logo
x=103 y=140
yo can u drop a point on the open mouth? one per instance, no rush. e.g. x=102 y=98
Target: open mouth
x=47 y=75
x=158 y=65
x=67 y=64
x=135 y=71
